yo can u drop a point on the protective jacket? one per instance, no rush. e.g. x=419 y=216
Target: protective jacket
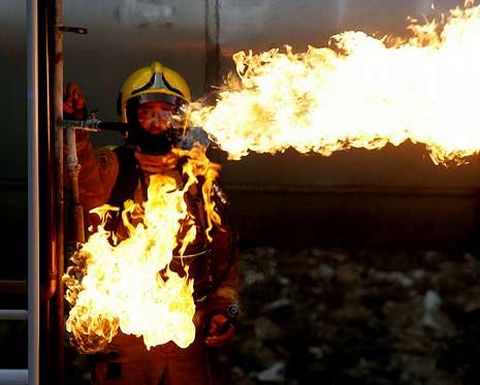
x=113 y=175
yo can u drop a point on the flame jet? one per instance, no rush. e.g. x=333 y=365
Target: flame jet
x=359 y=92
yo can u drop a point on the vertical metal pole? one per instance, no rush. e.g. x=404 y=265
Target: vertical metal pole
x=212 y=45
x=342 y=9
x=58 y=116
x=74 y=170
x=48 y=254
x=207 y=45
x=33 y=196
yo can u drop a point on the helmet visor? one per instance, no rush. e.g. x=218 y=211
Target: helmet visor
x=156 y=116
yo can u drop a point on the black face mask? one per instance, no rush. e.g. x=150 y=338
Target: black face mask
x=159 y=144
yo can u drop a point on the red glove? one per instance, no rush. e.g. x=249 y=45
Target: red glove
x=220 y=331
x=74 y=102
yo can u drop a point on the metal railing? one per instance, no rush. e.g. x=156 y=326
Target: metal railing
x=13 y=376
x=13 y=315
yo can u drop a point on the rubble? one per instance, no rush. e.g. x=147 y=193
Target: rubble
x=356 y=317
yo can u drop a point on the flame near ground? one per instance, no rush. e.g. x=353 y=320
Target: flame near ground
x=360 y=92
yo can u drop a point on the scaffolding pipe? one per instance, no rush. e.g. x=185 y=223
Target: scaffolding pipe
x=212 y=46
x=57 y=96
x=13 y=315
x=74 y=171
x=33 y=196
x=14 y=376
x=49 y=287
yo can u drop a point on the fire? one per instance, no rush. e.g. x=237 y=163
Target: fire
x=359 y=91
x=117 y=285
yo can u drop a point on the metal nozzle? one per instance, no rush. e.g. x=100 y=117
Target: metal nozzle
x=93 y=125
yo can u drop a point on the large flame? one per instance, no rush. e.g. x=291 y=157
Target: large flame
x=358 y=92
x=118 y=285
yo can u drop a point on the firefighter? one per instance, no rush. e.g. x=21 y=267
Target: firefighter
x=150 y=103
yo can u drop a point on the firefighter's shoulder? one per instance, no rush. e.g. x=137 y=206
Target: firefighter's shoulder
x=108 y=161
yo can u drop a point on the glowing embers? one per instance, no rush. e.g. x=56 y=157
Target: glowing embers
x=360 y=92
x=127 y=284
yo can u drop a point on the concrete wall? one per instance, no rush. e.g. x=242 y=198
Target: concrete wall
x=393 y=197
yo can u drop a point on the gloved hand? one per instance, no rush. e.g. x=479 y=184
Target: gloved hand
x=74 y=102
x=220 y=331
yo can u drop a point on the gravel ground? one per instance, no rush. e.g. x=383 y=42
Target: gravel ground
x=356 y=317
x=344 y=317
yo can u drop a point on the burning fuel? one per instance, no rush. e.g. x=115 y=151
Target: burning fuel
x=360 y=92
x=127 y=284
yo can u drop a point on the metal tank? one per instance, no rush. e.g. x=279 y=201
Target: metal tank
x=340 y=200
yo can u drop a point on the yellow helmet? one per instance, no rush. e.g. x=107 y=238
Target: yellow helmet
x=154 y=82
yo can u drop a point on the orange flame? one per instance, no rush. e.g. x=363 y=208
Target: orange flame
x=359 y=92
x=119 y=286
